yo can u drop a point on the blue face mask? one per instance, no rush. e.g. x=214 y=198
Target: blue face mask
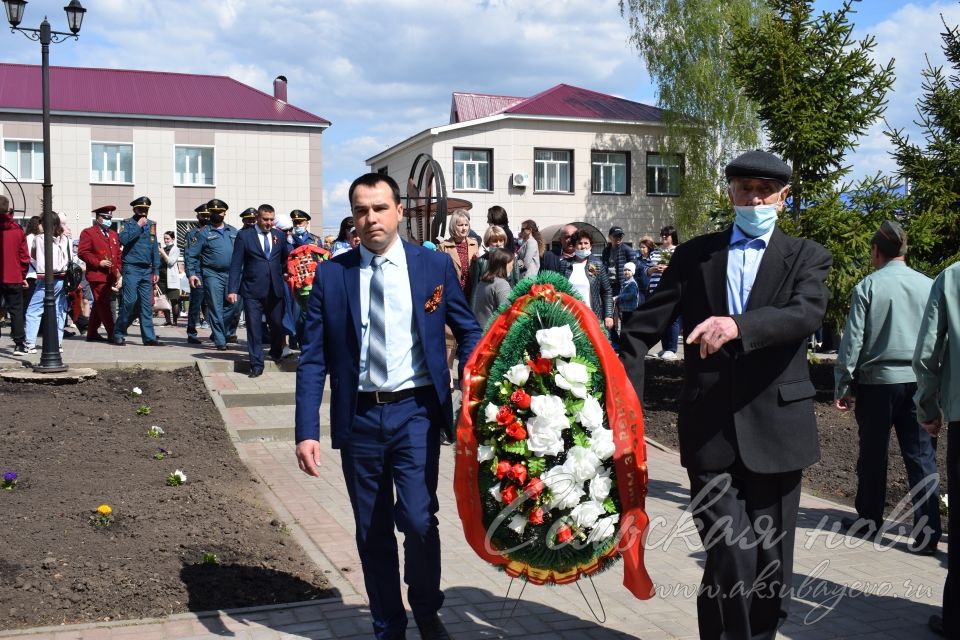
x=105 y=224
x=582 y=253
x=299 y=231
x=756 y=221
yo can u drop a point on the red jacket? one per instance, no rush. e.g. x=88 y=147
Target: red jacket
x=14 y=257
x=94 y=247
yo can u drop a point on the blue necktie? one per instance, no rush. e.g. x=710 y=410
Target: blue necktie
x=266 y=244
x=377 y=342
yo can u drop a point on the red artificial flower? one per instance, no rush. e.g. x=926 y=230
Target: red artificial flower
x=564 y=534
x=503 y=468
x=505 y=416
x=536 y=516
x=535 y=487
x=520 y=398
x=519 y=473
x=516 y=431
x=509 y=494
x=541 y=366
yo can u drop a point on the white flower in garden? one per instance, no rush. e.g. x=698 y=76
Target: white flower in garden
x=600 y=486
x=565 y=491
x=591 y=415
x=517 y=523
x=556 y=342
x=490 y=413
x=582 y=463
x=495 y=492
x=601 y=443
x=587 y=513
x=573 y=377
x=604 y=528
x=180 y=475
x=518 y=374
x=155 y=432
x=136 y=391
x=484 y=453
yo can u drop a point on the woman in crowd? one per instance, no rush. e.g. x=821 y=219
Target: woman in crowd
x=32 y=231
x=494 y=238
x=529 y=250
x=461 y=248
x=343 y=238
x=645 y=249
x=493 y=289
x=169 y=282
x=589 y=278
x=55 y=267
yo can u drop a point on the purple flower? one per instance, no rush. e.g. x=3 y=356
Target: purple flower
x=164 y=451
x=9 y=476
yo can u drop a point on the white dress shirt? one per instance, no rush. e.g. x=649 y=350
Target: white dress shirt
x=406 y=362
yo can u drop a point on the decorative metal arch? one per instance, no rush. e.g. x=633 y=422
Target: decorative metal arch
x=22 y=211
x=427 y=202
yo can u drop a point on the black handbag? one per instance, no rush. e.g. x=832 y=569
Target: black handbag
x=74 y=273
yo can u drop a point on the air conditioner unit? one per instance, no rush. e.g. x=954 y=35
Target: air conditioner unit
x=521 y=179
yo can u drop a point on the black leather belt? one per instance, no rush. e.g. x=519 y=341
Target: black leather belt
x=386 y=397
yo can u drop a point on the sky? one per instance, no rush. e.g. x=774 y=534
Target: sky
x=383 y=71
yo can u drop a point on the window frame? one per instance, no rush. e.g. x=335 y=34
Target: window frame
x=38 y=180
x=489 y=152
x=213 y=173
x=571 y=188
x=628 y=166
x=133 y=163
x=680 y=168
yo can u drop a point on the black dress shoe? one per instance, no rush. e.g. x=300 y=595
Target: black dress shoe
x=96 y=338
x=152 y=343
x=192 y=340
x=232 y=340
x=859 y=527
x=432 y=629
x=255 y=373
x=928 y=549
x=221 y=347
x=120 y=342
x=936 y=625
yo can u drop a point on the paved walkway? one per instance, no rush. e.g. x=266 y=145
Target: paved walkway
x=845 y=588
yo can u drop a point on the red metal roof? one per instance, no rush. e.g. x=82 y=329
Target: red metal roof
x=567 y=101
x=471 y=106
x=145 y=93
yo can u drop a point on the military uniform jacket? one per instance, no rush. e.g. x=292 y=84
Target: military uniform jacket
x=210 y=250
x=95 y=245
x=140 y=247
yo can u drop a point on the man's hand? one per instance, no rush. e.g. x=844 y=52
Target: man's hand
x=231 y=298
x=142 y=221
x=308 y=457
x=156 y=279
x=195 y=282
x=106 y=263
x=713 y=333
x=608 y=323
x=844 y=404
x=26 y=285
x=932 y=427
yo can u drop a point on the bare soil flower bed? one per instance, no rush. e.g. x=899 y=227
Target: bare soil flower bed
x=834 y=477
x=209 y=543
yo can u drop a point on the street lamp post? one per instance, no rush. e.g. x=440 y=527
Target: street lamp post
x=50 y=360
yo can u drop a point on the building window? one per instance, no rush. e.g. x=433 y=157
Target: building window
x=24 y=159
x=611 y=172
x=663 y=174
x=382 y=171
x=553 y=170
x=472 y=169
x=111 y=163
x=193 y=166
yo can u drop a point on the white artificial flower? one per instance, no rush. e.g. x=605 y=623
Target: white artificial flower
x=137 y=391
x=587 y=513
x=570 y=499
x=582 y=463
x=180 y=475
x=604 y=528
x=591 y=415
x=517 y=523
x=518 y=374
x=545 y=436
x=601 y=443
x=573 y=377
x=565 y=491
x=548 y=407
x=556 y=342
x=490 y=412
x=495 y=492
x=484 y=453
x=600 y=486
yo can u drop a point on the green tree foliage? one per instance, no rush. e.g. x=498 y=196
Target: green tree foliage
x=933 y=171
x=684 y=45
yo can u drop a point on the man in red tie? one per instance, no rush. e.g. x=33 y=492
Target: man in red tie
x=100 y=250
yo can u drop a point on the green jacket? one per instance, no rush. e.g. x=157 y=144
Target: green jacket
x=880 y=335
x=936 y=360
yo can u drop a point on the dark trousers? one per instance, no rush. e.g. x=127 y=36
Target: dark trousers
x=12 y=295
x=396 y=446
x=137 y=292
x=100 y=312
x=745 y=591
x=272 y=307
x=879 y=406
x=193 y=313
x=671 y=337
x=951 y=589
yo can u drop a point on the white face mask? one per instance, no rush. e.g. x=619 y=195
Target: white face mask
x=582 y=253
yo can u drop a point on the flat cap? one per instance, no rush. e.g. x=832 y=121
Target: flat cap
x=106 y=211
x=217 y=206
x=299 y=215
x=759 y=164
x=891 y=239
x=616 y=232
x=249 y=212
x=142 y=201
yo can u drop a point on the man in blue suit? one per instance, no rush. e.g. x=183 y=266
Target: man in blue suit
x=260 y=255
x=375 y=323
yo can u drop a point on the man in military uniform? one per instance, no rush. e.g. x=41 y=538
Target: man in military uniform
x=248 y=217
x=208 y=263
x=301 y=235
x=100 y=250
x=141 y=270
x=196 y=291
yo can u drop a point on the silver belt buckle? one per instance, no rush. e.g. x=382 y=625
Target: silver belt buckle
x=376 y=398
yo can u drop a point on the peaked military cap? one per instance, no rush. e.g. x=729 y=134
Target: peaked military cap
x=201 y=211
x=759 y=164
x=216 y=205
x=299 y=215
x=106 y=211
x=142 y=201
x=249 y=212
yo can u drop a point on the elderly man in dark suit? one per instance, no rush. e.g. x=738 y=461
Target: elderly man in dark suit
x=375 y=323
x=749 y=296
x=256 y=272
